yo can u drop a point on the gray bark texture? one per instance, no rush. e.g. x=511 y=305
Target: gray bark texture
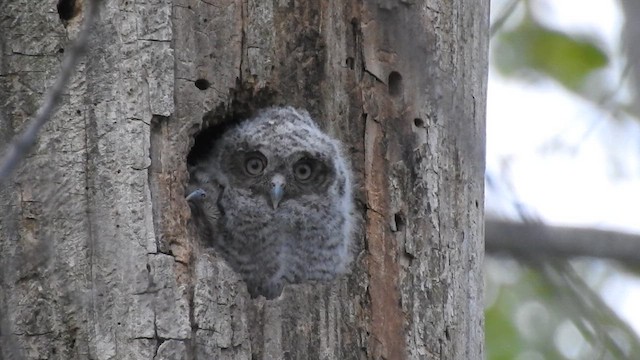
x=99 y=258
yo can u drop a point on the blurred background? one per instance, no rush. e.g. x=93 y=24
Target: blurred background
x=562 y=270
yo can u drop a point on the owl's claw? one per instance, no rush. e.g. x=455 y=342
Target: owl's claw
x=196 y=194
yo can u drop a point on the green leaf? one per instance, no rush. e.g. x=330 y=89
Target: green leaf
x=502 y=339
x=531 y=48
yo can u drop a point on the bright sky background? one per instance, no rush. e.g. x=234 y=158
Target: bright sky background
x=568 y=161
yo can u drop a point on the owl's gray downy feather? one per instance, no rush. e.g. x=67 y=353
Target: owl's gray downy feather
x=279 y=203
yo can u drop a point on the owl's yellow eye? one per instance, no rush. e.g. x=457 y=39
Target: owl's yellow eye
x=302 y=171
x=254 y=165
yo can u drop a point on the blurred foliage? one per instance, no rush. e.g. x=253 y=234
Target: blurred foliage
x=545 y=310
x=531 y=47
x=530 y=50
x=522 y=318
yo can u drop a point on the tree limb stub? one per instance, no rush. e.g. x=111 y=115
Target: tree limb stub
x=523 y=239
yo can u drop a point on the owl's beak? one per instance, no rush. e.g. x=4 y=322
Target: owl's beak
x=277 y=190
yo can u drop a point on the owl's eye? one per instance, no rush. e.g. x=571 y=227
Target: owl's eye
x=254 y=165
x=302 y=171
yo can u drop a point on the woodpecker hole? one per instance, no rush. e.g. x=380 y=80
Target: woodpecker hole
x=202 y=84
x=398 y=222
x=395 y=83
x=418 y=122
x=350 y=63
x=67 y=9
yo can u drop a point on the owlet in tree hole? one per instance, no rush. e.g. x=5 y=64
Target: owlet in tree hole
x=274 y=199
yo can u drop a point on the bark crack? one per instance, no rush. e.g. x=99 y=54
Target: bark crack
x=364 y=69
x=211 y=4
x=243 y=37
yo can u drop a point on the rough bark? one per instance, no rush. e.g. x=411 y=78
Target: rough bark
x=99 y=257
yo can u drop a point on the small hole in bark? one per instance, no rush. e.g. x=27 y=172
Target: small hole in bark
x=398 y=222
x=205 y=20
x=61 y=50
x=350 y=62
x=66 y=9
x=418 y=122
x=78 y=112
x=477 y=205
x=395 y=83
x=202 y=84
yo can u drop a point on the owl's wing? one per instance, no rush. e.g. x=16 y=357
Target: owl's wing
x=202 y=194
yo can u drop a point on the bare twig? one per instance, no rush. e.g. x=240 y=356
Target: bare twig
x=535 y=239
x=23 y=142
x=504 y=15
x=591 y=315
x=546 y=249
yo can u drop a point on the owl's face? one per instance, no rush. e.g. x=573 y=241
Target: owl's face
x=279 y=166
x=278 y=177
x=278 y=205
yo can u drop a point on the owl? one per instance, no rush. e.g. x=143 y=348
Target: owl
x=274 y=199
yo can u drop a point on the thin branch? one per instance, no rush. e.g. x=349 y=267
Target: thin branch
x=23 y=142
x=603 y=313
x=534 y=239
x=592 y=316
x=505 y=14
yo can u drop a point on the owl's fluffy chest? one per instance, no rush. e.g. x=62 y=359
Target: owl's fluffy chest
x=252 y=221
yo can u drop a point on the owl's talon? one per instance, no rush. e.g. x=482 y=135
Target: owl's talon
x=196 y=194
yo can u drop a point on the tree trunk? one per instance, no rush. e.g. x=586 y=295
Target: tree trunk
x=99 y=257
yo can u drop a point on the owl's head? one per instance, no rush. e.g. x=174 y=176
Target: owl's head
x=281 y=154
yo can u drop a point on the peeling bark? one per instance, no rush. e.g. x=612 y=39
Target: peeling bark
x=101 y=260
